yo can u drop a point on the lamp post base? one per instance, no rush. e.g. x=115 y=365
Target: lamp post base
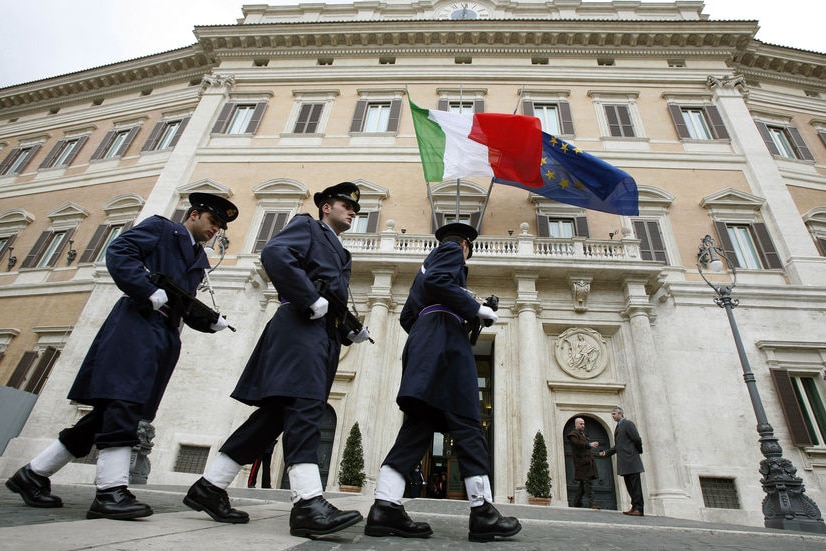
x=786 y=506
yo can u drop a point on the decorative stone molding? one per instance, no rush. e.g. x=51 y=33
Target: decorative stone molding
x=580 y=289
x=216 y=81
x=581 y=352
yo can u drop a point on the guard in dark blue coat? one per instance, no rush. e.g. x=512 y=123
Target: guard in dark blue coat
x=128 y=366
x=440 y=393
x=291 y=370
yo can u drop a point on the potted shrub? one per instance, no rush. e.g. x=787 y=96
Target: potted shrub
x=538 y=484
x=351 y=471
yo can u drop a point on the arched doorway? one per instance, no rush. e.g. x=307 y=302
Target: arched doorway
x=325 y=448
x=605 y=494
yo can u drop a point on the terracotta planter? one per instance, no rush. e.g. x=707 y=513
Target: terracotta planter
x=539 y=501
x=351 y=489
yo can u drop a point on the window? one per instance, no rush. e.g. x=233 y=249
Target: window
x=239 y=118
x=6 y=242
x=802 y=401
x=115 y=143
x=47 y=249
x=104 y=235
x=17 y=159
x=374 y=116
x=462 y=106
x=719 y=493
x=469 y=218
x=748 y=245
x=652 y=245
x=64 y=152
x=364 y=222
x=272 y=223
x=561 y=227
x=784 y=141
x=165 y=134
x=698 y=123
x=555 y=117
x=33 y=370
x=309 y=116
x=619 y=121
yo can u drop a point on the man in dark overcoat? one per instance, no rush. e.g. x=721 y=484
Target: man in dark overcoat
x=585 y=466
x=127 y=368
x=628 y=448
x=439 y=392
x=290 y=372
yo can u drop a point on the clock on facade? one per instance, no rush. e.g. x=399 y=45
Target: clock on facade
x=464 y=11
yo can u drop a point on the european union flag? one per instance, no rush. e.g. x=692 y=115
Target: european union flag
x=572 y=176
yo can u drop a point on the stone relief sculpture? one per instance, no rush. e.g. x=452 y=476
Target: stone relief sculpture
x=581 y=352
x=579 y=290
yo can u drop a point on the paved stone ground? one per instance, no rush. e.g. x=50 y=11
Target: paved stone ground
x=175 y=526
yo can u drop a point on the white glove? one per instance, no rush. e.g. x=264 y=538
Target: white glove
x=220 y=324
x=487 y=313
x=361 y=336
x=158 y=299
x=319 y=308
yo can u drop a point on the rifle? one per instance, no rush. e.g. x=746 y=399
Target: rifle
x=474 y=326
x=339 y=308
x=192 y=310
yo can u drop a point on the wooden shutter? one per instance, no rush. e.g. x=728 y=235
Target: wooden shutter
x=9 y=242
x=47 y=162
x=614 y=124
x=257 y=115
x=800 y=148
x=581 y=226
x=373 y=222
x=4 y=166
x=13 y=156
x=39 y=246
x=821 y=245
x=128 y=141
x=820 y=133
x=443 y=105
x=154 y=136
x=395 y=115
x=566 y=119
x=19 y=376
x=179 y=133
x=527 y=108
x=475 y=219
x=767 y=139
x=308 y=118
x=42 y=370
x=652 y=246
x=791 y=408
x=438 y=222
x=765 y=246
x=273 y=223
x=676 y=113
x=93 y=248
x=479 y=106
x=358 y=116
x=223 y=118
x=59 y=251
x=718 y=128
x=104 y=145
x=542 y=226
x=724 y=241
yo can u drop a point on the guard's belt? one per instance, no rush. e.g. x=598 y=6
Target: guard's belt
x=439 y=308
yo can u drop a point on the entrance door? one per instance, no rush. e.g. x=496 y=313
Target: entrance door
x=442 y=474
x=605 y=494
x=325 y=448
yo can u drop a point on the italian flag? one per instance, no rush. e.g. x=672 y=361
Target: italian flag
x=496 y=145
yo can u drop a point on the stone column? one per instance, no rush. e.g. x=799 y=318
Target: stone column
x=664 y=479
x=532 y=387
x=794 y=244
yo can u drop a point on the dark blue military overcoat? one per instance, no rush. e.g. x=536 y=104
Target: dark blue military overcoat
x=296 y=356
x=134 y=353
x=437 y=363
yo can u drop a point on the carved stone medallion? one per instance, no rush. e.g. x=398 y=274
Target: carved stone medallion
x=581 y=352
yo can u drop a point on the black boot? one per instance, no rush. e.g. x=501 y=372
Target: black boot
x=206 y=496
x=486 y=523
x=389 y=519
x=36 y=490
x=317 y=516
x=117 y=503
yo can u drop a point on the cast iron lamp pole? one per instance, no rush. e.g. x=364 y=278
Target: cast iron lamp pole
x=786 y=505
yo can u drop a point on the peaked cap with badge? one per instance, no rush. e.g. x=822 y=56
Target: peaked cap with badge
x=347 y=191
x=223 y=209
x=461 y=230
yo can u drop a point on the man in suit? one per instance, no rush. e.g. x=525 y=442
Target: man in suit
x=439 y=392
x=130 y=362
x=628 y=447
x=291 y=370
x=585 y=466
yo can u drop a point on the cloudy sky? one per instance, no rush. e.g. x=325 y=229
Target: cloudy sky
x=45 y=38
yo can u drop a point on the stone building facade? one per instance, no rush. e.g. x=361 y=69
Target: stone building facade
x=725 y=136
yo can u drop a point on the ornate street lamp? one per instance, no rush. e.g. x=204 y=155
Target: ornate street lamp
x=786 y=505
